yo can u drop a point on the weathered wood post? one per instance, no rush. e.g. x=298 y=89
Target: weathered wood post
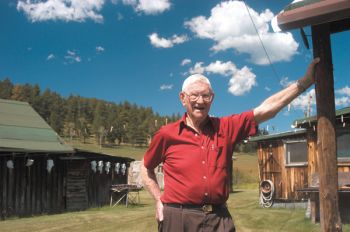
x=326 y=134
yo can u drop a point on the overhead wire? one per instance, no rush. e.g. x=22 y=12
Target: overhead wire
x=263 y=46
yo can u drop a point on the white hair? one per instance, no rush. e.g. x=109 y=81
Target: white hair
x=193 y=79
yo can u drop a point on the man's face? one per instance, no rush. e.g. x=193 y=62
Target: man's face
x=197 y=99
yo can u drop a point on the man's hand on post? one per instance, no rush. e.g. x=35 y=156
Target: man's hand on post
x=309 y=78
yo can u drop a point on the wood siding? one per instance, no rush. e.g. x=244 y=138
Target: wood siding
x=313 y=166
x=30 y=190
x=286 y=179
x=71 y=185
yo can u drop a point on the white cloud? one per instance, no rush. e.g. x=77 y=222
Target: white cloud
x=160 y=42
x=50 y=57
x=224 y=69
x=100 y=49
x=344 y=91
x=185 y=62
x=342 y=101
x=66 y=10
x=304 y=100
x=229 y=25
x=149 y=7
x=285 y=82
x=166 y=87
x=267 y=89
x=241 y=81
x=72 y=57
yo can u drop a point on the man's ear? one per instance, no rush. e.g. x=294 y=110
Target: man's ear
x=182 y=98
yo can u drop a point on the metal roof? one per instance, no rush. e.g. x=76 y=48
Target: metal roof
x=23 y=130
x=277 y=135
x=306 y=122
x=314 y=12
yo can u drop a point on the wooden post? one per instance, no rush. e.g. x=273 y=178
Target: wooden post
x=326 y=136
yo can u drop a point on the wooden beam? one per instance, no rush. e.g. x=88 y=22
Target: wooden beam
x=326 y=140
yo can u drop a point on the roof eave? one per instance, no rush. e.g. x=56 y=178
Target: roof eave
x=314 y=14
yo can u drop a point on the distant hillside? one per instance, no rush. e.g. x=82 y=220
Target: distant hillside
x=85 y=118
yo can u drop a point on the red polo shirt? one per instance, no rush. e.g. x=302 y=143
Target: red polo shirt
x=196 y=166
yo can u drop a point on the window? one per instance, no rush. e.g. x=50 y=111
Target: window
x=296 y=152
x=343 y=144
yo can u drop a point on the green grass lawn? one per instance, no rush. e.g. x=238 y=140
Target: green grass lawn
x=243 y=205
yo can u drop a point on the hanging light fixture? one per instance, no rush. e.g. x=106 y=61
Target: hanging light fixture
x=117 y=168
x=10 y=164
x=100 y=166
x=107 y=167
x=49 y=165
x=123 y=169
x=29 y=162
x=93 y=165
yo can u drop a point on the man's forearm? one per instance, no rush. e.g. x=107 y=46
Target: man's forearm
x=150 y=182
x=272 y=105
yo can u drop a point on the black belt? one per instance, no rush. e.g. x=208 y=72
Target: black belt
x=207 y=208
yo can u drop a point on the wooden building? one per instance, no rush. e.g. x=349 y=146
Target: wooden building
x=290 y=161
x=39 y=173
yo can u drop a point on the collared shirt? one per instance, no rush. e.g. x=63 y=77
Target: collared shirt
x=196 y=166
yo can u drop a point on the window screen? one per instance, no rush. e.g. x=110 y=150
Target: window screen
x=296 y=152
x=343 y=144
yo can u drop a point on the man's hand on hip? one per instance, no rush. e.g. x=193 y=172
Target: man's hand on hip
x=159 y=211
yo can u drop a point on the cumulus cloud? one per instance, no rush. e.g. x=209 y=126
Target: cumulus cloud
x=185 y=62
x=343 y=101
x=160 y=42
x=50 y=57
x=100 y=49
x=65 y=10
x=72 y=57
x=148 y=7
x=166 y=87
x=302 y=102
x=230 y=27
x=241 y=81
x=344 y=91
x=309 y=98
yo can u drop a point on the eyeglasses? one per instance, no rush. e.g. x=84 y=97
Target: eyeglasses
x=207 y=97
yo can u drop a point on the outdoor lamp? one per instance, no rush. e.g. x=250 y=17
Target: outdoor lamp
x=93 y=166
x=123 y=169
x=49 y=165
x=30 y=162
x=107 y=167
x=9 y=164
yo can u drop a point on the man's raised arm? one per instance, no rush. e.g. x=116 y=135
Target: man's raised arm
x=272 y=105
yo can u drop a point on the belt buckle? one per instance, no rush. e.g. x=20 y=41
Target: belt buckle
x=207 y=208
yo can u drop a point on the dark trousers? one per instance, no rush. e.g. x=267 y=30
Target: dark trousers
x=193 y=220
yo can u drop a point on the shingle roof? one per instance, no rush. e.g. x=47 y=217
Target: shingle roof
x=23 y=130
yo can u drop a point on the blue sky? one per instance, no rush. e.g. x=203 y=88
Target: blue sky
x=142 y=50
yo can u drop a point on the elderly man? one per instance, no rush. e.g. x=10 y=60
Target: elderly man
x=196 y=154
